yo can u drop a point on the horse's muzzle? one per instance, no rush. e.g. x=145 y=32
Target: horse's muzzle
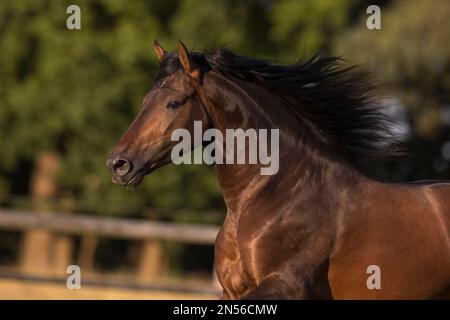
x=123 y=171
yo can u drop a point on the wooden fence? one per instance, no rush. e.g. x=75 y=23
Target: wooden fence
x=60 y=225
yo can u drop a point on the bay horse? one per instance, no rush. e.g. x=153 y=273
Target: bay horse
x=314 y=229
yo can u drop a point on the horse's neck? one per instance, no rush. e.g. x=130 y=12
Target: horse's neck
x=240 y=105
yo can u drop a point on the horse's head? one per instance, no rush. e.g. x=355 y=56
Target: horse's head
x=173 y=102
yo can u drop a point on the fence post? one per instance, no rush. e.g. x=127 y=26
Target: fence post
x=150 y=264
x=87 y=251
x=42 y=252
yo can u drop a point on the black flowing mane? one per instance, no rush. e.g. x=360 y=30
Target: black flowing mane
x=336 y=104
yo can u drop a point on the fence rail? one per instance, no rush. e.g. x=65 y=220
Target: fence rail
x=47 y=250
x=111 y=227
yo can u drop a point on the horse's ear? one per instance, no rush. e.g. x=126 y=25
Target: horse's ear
x=189 y=65
x=160 y=52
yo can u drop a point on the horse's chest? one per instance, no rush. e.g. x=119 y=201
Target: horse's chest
x=229 y=263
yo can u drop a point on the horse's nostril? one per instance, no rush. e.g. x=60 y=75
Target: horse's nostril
x=121 y=166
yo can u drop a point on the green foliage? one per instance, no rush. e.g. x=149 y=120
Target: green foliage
x=77 y=91
x=303 y=27
x=211 y=23
x=410 y=55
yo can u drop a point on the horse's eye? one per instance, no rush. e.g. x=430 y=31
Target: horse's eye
x=173 y=104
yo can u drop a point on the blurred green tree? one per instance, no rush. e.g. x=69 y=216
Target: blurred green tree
x=304 y=27
x=75 y=92
x=411 y=56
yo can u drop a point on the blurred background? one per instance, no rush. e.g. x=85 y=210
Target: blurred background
x=66 y=97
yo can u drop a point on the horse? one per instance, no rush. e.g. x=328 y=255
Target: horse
x=321 y=227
